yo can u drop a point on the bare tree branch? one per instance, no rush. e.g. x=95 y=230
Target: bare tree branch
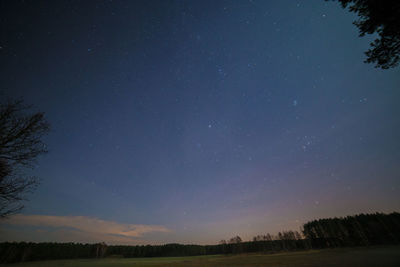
x=20 y=143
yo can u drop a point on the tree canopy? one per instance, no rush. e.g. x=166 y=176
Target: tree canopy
x=383 y=18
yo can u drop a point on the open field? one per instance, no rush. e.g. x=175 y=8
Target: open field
x=372 y=256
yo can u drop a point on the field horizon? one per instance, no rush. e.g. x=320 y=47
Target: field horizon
x=358 y=256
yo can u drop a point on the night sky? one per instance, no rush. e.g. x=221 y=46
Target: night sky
x=194 y=121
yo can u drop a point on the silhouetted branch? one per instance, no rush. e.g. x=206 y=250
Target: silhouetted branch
x=20 y=144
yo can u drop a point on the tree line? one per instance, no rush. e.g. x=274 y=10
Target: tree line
x=358 y=230
x=27 y=251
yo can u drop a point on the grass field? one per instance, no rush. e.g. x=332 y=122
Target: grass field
x=373 y=256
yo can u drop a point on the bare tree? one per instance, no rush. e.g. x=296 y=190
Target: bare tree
x=21 y=143
x=235 y=240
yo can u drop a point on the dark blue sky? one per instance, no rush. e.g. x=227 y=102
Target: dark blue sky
x=205 y=118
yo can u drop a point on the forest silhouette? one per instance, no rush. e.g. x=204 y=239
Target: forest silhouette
x=350 y=231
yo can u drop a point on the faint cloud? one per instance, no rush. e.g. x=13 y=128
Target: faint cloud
x=85 y=226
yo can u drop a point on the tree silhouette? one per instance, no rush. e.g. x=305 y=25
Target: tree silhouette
x=20 y=144
x=235 y=240
x=383 y=18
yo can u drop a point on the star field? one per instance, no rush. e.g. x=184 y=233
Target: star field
x=209 y=118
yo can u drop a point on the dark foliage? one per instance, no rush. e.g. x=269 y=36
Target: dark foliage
x=17 y=252
x=381 y=17
x=20 y=144
x=359 y=230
